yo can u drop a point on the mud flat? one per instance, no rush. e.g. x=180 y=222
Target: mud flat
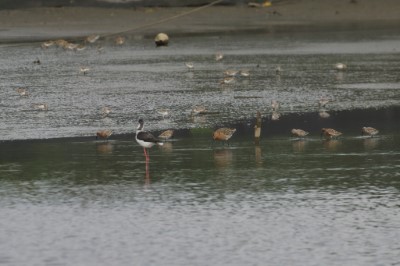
x=38 y=24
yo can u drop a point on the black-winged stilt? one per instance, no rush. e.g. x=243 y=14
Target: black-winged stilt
x=145 y=139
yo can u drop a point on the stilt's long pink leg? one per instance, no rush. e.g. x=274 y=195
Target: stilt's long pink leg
x=146 y=154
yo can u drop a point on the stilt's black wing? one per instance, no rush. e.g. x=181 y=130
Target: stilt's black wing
x=147 y=137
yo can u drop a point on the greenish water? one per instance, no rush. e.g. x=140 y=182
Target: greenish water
x=285 y=201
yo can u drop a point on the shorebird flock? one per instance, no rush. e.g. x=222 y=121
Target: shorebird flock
x=147 y=140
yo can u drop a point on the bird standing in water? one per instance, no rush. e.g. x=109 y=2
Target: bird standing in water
x=223 y=134
x=167 y=134
x=370 y=131
x=299 y=132
x=330 y=133
x=145 y=139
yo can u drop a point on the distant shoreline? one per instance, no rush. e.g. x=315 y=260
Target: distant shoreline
x=39 y=24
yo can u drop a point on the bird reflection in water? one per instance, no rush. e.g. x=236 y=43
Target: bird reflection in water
x=299 y=145
x=189 y=74
x=105 y=148
x=323 y=114
x=371 y=143
x=167 y=147
x=202 y=119
x=332 y=144
x=339 y=76
x=258 y=155
x=223 y=157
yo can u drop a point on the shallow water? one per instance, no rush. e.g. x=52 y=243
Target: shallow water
x=72 y=200
x=286 y=201
x=136 y=79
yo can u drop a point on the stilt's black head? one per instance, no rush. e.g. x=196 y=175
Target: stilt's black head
x=140 y=126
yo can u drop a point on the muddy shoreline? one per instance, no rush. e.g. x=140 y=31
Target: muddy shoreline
x=39 y=24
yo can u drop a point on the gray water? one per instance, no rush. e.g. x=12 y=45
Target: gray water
x=136 y=79
x=67 y=199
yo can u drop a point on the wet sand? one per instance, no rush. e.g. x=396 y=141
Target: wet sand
x=38 y=24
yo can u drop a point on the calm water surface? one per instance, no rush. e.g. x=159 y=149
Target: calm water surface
x=78 y=201
x=286 y=201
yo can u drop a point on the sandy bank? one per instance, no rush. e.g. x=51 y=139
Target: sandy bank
x=39 y=24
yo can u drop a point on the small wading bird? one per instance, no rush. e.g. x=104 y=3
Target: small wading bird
x=145 y=139
x=245 y=73
x=119 y=40
x=227 y=80
x=163 y=112
x=92 y=38
x=41 y=106
x=199 y=110
x=84 y=70
x=299 y=132
x=330 y=133
x=167 y=134
x=231 y=72
x=322 y=102
x=22 y=91
x=370 y=131
x=278 y=70
x=275 y=105
x=340 y=66
x=189 y=65
x=105 y=111
x=103 y=134
x=80 y=47
x=70 y=46
x=219 y=57
x=223 y=134
x=61 y=43
x=47 y=44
